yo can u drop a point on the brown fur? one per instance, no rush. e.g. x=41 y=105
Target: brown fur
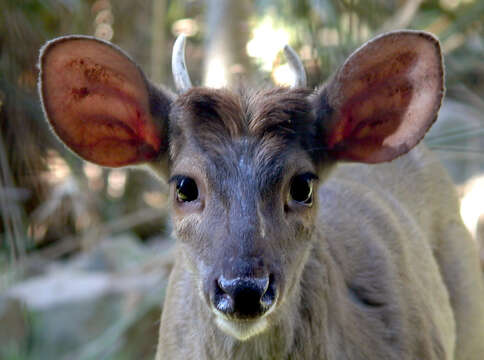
x=276 y=117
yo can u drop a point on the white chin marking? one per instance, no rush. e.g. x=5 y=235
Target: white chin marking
x=241 y=330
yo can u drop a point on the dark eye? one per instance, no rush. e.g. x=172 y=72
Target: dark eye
x=186 y=189
x=302 y=188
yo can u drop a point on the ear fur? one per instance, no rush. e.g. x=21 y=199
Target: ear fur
x=100 y=104
x=383 y=99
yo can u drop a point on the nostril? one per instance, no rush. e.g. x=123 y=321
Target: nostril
x=261 y=284
x=223 y=285
x=222 y=300
x=269 y=295
x=244 y=297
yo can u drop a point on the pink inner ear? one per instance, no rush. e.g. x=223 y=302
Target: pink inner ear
x=385 y=98
x=97 y=102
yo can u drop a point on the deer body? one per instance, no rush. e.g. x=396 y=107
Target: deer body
x=285 y=250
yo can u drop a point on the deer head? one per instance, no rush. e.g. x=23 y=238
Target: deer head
x=244 y=167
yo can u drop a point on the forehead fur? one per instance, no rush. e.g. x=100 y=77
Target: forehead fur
x=214 y=118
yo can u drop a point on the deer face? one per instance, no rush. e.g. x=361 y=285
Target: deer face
x=243 y=192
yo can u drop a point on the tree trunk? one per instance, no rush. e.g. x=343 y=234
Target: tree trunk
x=226 y=38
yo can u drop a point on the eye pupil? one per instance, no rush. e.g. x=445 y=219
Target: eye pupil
x=186 y=190
x=302 y=189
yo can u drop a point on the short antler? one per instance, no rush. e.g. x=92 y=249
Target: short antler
x=296 y=66
x=179 y=67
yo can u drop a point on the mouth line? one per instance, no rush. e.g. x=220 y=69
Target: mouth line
x=241 y=329
x=226 y=317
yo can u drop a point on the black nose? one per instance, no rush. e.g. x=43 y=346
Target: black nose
x=244 y=297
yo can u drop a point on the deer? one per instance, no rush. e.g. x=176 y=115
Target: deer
x=310 y=223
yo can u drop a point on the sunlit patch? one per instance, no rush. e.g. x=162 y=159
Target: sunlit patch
x=215 y=74
x=187 y=26
x=94 y=176
x=58 y=170
x=104 y=19
x=155 y=199
x=104 y=31
x=452 y=5
x=472 y=204
x=267 y=42
x=104 y=16
x=117 y=182
x=283 y=75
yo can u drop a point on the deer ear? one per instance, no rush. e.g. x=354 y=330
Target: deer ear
x=100 y=104
x=384 y=98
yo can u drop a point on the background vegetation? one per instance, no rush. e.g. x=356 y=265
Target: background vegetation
x=74 y=236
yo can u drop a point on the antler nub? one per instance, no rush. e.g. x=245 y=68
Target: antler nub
x=178 y=65
x=296 y=66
